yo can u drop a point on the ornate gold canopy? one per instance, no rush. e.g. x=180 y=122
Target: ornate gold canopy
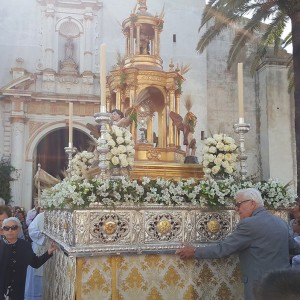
x=140 y=72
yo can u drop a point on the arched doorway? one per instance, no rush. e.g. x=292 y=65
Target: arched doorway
x=51 y=153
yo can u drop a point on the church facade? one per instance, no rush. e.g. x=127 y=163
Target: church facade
x=51 y=57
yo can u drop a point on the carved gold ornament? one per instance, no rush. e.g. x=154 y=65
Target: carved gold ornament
x=109 y=227
x=164 y=227
x=213 y=226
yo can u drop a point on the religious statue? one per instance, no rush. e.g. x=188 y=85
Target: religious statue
x=69 y=49
x=117 y=118
x=130 y=114
x=187 y=126
x=144 y=44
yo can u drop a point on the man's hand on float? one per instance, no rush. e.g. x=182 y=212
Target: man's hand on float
x=186 y=251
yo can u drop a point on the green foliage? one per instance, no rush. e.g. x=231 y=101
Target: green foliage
x=5 y=178
x=133 y=117
x=123 y=78
x=179 y=85
x=225 y=14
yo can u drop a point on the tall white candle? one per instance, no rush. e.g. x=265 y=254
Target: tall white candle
x=70 y=124
x=103 y=77
x=241 y=93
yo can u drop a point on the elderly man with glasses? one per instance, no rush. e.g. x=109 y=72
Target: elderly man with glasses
x=261 y=240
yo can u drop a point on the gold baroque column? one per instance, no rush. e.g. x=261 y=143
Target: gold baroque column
x=156 y=41
x=171 y=126
x=177 y=110
x=138 y=29
x=131 y=100
x=150 y=130
x=126 y=44
x=118 y=98
x=162 y=125
x=131 y=52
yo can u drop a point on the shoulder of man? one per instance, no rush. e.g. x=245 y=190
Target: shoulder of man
x=259 y=214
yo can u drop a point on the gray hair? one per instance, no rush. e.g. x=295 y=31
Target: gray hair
x=14 y=219
x=252 y=194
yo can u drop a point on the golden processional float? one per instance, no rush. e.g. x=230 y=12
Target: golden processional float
x=128 y=252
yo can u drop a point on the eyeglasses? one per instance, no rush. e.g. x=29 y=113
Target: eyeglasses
x=238 y=204
x=7 y=228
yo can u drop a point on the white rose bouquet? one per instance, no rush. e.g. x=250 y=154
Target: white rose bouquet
x=219 y=156
x=81 y=162
x=121 y=147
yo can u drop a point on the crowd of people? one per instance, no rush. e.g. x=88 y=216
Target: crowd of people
x=22 y=253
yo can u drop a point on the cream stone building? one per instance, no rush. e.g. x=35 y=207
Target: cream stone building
x=50 y=57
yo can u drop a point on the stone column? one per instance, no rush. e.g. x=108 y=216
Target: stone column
x=17 y=120
x=49 y=50
x=276 y=126
x=88 y=17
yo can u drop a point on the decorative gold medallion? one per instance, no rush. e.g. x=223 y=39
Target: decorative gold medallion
x=164 y=227
x=213 y=226
x=109 y=227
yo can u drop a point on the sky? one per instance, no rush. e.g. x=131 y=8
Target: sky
x=288 y=30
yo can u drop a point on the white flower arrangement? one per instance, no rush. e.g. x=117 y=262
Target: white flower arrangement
x=121 y=147
x=81 y=162
x=219 y=156
x=77 y=192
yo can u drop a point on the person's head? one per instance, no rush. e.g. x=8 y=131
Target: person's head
x=21 y=215
x=279 y=285
x=5 y=213
x=246 y=201
x=296 y=209
x=116 y=115
x=11 y=228
x=296 y=226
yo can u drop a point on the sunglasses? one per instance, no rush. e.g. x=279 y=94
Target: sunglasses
x=7 y=228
